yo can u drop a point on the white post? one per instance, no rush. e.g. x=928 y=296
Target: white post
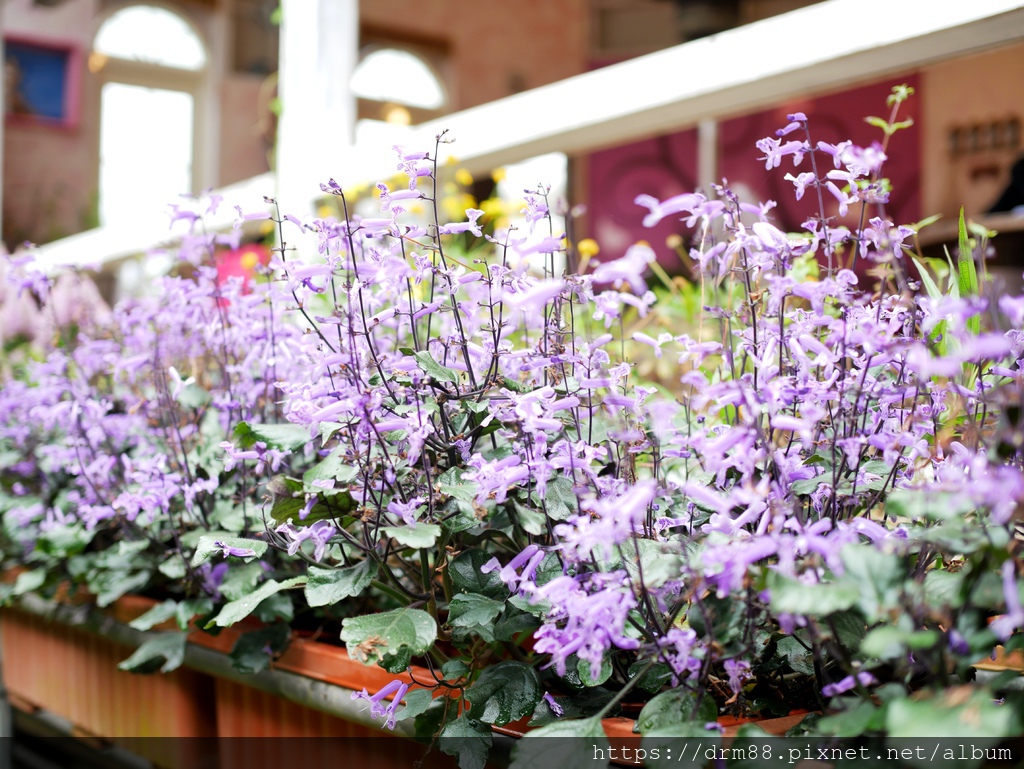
x=707 y=155
x=319 y=46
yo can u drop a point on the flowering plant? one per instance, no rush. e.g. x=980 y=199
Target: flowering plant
x=452 y=460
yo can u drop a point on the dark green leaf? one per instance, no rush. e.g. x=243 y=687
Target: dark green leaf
x=453 y=670
x=330 y=586
x=164 y=652
x=539 y=748
x=468 y=739
x=416 y=702
x=676 y=706
x=473 y=613
x=504 y=693
x=467 y=577
x=254 y=651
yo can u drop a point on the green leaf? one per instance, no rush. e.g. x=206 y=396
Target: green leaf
x=65 y=541
x=193 y=397
x=333 y=467
x=586 y=672
x=29 y=581
x=240 y=580
x=390 y=636
x=239 y=609
x=286 y=436
x=892 y=643
x=850 y=723
x=164 y=652
x=453 y=670
x=673 y=707
x=474 y=613
x=878 y=576
x=536 y=750
x=173 y=567
x=504 y=693
x=419 y=536
x=816 y=600
x=115 y=584
x=159 y=613
x=276 y=607
x=254 y=651
x=416 y=702
x=210 y=545
x=967 y=275
x=946 y=716
x=468 y=739
x=466 y=576
x=192 y=607
x=330 y=586
x=434 y=369
x=926 y=278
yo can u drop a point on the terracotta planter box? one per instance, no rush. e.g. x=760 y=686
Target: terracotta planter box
x=73 y=674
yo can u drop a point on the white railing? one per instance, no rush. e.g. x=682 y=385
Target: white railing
x=816 y=49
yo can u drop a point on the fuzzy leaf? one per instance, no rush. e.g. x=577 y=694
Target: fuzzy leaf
x=504 y=693
x=398 y=634
x=241 y=608
x=329 y=586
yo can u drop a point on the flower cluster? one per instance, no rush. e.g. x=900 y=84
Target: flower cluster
x=452 y=444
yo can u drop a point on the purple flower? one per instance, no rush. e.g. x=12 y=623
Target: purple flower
x=379 y=706
x=319 y=533
x=406 y=510
x=235 y=552
x=1013 y=620
x=738 y=672
x=627 y=269
x=864 y=678
x=472 y=214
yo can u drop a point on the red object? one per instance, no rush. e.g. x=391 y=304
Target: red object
x=241 y=263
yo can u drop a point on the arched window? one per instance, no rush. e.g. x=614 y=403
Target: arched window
x=396 y=88
x=150 y=62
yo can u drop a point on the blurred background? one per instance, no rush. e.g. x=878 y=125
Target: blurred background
x=113 y=108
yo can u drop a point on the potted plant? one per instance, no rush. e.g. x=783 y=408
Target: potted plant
x=430 y=443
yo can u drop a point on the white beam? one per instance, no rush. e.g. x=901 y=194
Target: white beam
x=319 y=45
x=111 y=243
x=819 y=48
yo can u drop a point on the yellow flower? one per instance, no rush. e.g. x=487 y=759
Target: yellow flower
x=464 y=177
x=588 y=248
x=498 y=175
x=324 y=211
x=249 y=259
